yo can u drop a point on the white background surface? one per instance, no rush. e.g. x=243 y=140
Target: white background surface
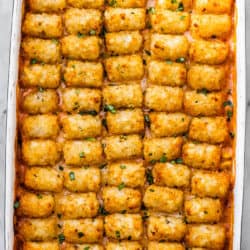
x=5 y=31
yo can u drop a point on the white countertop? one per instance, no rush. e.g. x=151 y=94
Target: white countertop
x=5 y=28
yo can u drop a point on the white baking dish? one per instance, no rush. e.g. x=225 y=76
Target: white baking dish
x=11 y=123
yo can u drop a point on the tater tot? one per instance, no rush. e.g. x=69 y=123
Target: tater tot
x=171 y=175
x=211 y=26
x=162 y=149
x=210 y=184
x=209 y=129
x=169 y=22
x=38 y=229
x=82 y=152
x=124 y=68
x=213 y=6
x=203 y=103
x=81 y=126
x=83 y=21
x=83 y=247
x=208 y=52
x=124 y=42
x=83 y=74
x=81 y=47
x=165 y=228
x=40 y=126
x=40 y=102
x=122 y=147
x=52 y=245
x=172 y=74
x=75 y=206
x=118 y=19
x=47 y=5
x=162 y=124
x=86 y=4
x=163 y=199
x=201 y=155
x=124 y=245
x=81 y=100
x=170 y=47
x=125 y=122
x=42 y=25
x=178 y=5
x=38 y=75
x=121 y=199
x=210 y=236
x=153 y=245
x=123 y=96
x=43 y=179
x=85 y=179
x=203 y=210
x=83 y=230
x=40 y=50
x=131 y=173
x=35 y=205
x=163 y=98
x=206 y=77
x=40 y=152
x=123 y=226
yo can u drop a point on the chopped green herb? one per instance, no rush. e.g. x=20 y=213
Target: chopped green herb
x=169 y=62
x=181 y=60
x=149 y=177
x=203 y=91
x=182 y=17
x=147 y=120
x=104 y=123
x=151 y=190
x=72 y=176
x=180 y=7
x=178 y=161
x=123 y=166
x=229 y=115
x=163 y=159
x=102 y=211
x=40 y=89
x=39 y=196
x=145 y=215
x=121 y=186
x=80 y=35
x=123 y=137
x=148 y=52
x=173 y=1
x=117 y=234
x=86 y=248
x=153 y=161
x=92 y=32
x=33 y=61
x=61 y=238
x=148 y=25
x=103 y=165
x=54 y=40
x=80 y=234
x=16 y=204
x=91 y=139
x=112 y=3
x=82 y=155
x=61 y=168
x=228 y=103
x=110 y=108
x=151 y=10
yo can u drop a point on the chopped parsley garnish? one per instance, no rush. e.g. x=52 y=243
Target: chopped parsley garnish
x=203 y=91
x=72 y=176
x=151 y=190
x=92 y=32
x=121 y=186
x=149 y=177
x=103 y=165
x=181 y=60
x=153 y=161
x=110 y=108
x=90 y=112
x=228 y=103
x=163 y=159
x=112 y=3
x=33 y=61
x=182 y=17
x=173 y=1
x=80 y=235
x=229 y=115
x=61 y=238
x=117 y=234
x=91 y=139
x=39 y=196
x=169 y=62
x=61 y=168
x=86 y=248
x=54 y=40
x=123 y=166
x=102 y=211
x=178 y=161
x=148 y=52
x=40 y=89
x=16 y=204
x=151 y=10
x=82 y=155
x=147 y=119
x=123 y=137
x=180 y=7
x=80 y=35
